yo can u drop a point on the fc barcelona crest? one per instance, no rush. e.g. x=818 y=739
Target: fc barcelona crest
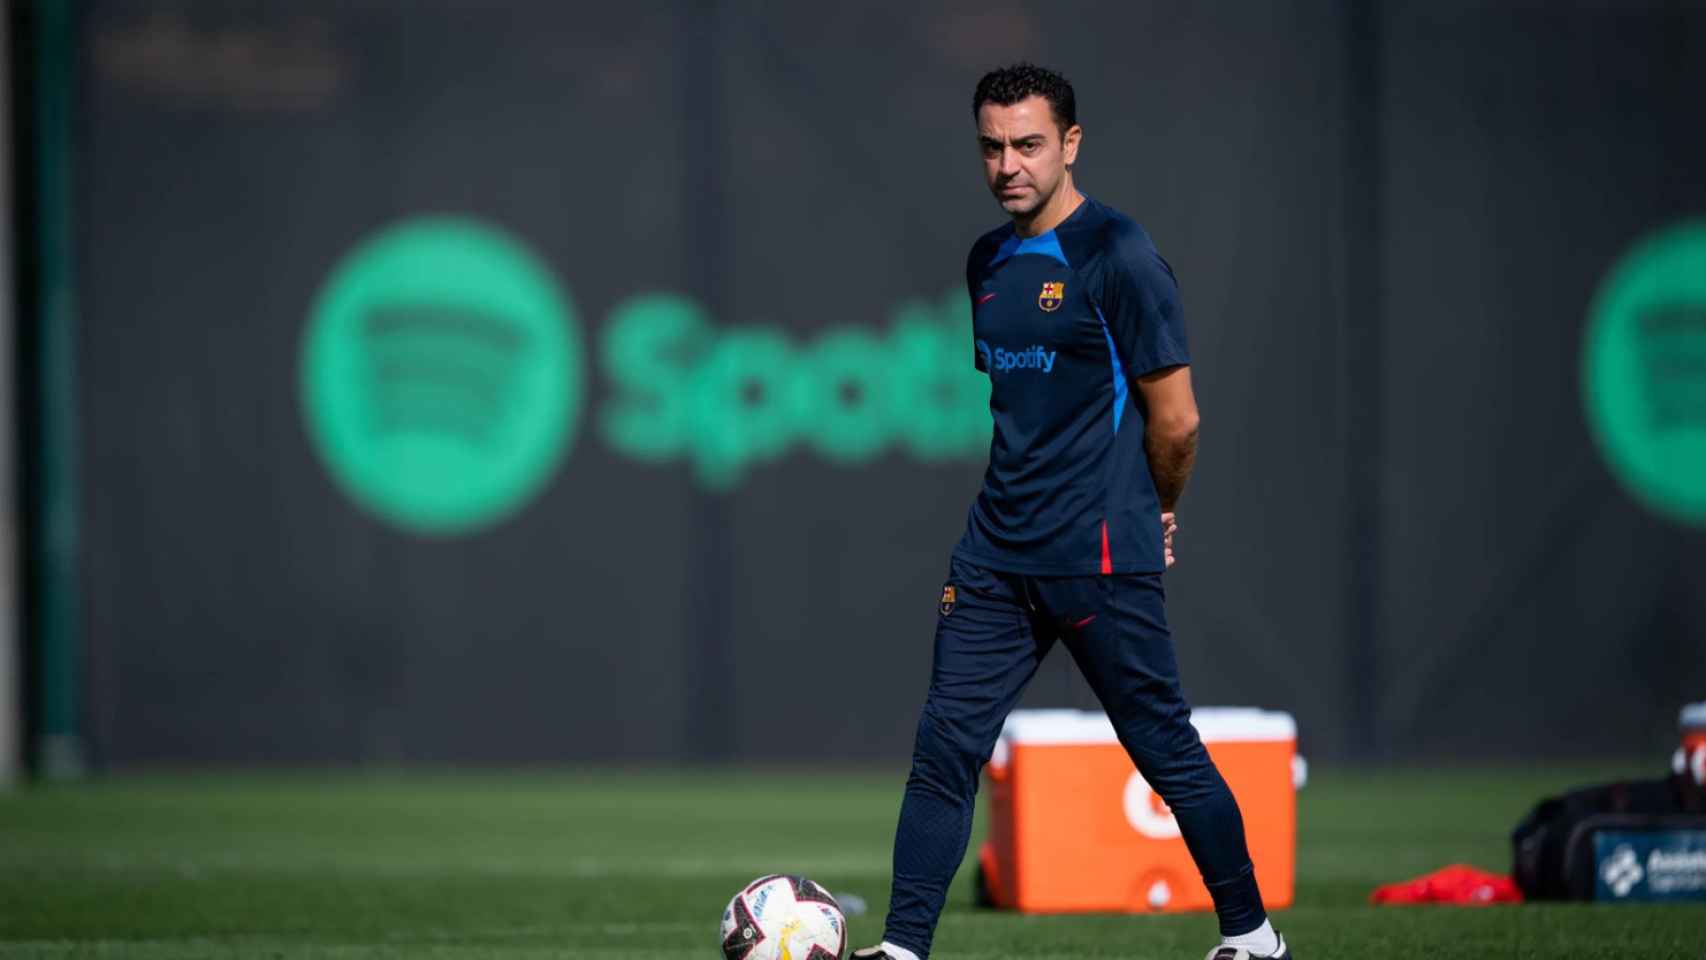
x=1052 y=296
x=948 y=598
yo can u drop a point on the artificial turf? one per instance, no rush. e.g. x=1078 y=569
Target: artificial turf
x=637 y=865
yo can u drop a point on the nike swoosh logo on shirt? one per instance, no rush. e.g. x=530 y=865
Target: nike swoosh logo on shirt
x=985 y=299
x=1084 y=622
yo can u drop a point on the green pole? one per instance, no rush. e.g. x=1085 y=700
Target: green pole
x=59 y=750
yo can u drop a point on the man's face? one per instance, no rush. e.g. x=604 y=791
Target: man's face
x=1024 y=154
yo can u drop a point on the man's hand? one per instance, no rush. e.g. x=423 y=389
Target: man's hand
x=1169 y=526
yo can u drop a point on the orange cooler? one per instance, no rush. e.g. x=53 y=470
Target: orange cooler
x=1073 y=827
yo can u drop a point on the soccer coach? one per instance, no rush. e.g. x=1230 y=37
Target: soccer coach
x=1077 y=322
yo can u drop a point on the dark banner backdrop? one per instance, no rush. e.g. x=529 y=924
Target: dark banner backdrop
x=804 y=177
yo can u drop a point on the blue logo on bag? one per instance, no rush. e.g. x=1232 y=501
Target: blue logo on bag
x=1649 y=865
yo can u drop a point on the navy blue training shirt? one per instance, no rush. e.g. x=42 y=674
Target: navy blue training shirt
x=1065 y=323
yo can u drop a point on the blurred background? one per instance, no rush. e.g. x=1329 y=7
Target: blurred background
x=512 y=383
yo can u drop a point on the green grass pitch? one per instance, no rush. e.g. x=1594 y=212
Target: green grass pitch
x=638 y=866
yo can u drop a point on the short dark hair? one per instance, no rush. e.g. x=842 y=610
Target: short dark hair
x=1008 y=85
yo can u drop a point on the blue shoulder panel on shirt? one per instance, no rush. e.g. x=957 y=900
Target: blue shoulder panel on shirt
x=1047 y=245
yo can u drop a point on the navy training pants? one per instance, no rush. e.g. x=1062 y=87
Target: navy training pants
x=988 y=646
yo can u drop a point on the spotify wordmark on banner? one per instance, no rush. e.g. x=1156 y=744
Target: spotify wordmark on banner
x=443 y=381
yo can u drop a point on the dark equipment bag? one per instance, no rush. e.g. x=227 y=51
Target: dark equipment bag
x=1554 y=850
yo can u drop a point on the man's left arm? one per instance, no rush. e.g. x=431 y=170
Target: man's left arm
x=1170 y=431
x=1170 y=441
x=1147 y=327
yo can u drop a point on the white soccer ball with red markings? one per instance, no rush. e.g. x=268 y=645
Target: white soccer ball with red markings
x=783 y=918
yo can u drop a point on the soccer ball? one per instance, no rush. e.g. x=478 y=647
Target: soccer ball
x=783 y=918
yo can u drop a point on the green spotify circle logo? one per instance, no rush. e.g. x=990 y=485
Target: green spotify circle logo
x=441 y=375
x=1644 y=372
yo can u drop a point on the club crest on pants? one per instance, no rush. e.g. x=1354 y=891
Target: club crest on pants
x=948 y=598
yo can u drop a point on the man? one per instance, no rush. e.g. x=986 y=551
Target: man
x=1077 y=323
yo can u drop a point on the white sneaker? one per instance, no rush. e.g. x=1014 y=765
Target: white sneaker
x=1224 y=952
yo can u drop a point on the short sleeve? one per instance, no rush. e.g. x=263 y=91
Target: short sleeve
x=1140 y=305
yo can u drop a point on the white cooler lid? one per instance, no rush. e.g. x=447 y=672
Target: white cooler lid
x=1058 y=727
x=1693 y=716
